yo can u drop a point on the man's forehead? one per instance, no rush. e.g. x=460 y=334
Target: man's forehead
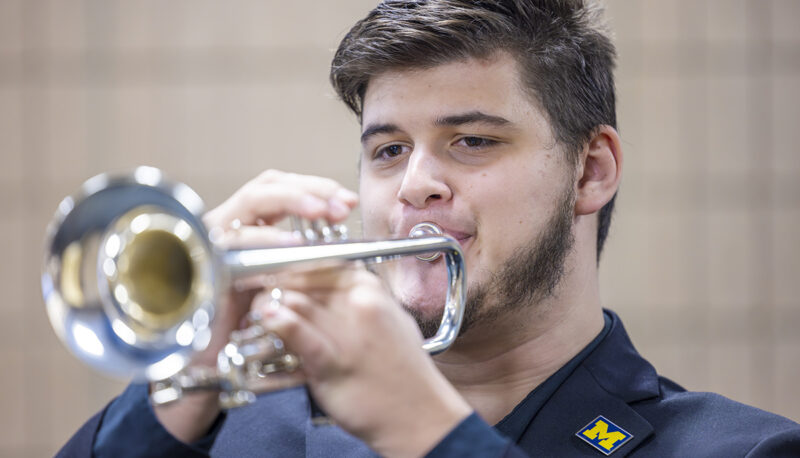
x=455 y=79
x=499 y=66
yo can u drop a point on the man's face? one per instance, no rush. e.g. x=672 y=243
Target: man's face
x=463 y=146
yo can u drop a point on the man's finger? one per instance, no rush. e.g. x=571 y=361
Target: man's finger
x=300 y=338
x=323 y=277
x=274 y=194
x=324 y=188
x=256 y=237
x=268 y=203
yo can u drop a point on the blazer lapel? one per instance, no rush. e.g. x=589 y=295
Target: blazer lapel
x=612 y=377
x=554 y=430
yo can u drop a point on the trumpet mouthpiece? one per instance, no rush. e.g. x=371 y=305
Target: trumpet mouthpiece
x=421 y=230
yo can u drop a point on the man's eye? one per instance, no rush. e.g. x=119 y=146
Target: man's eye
x=477 y=142
x=390 y=151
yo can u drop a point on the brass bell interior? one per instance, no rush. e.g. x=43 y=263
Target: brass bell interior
x=157 y=264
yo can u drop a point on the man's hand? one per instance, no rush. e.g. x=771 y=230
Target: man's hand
x=245 y=220
x=361 y=352
x=363 y=361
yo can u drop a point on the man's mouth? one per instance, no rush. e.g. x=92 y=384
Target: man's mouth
x=460 y=237
x=463 y=238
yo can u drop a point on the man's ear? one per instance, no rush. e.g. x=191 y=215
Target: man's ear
x=600 y=169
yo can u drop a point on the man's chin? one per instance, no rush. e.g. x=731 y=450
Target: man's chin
x=422 y=290
x=425 y=302
x=428 y=320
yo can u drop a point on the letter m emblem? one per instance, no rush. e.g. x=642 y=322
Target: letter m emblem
x=604 y=435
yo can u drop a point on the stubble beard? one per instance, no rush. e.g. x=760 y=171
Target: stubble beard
x=528 y=277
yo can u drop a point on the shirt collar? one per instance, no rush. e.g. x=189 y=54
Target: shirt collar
x=515 y=423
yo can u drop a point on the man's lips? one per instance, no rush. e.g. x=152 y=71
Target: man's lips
x=462 y=239
x=460 y=236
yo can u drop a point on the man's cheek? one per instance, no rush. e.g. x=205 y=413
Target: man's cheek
x=369 y=218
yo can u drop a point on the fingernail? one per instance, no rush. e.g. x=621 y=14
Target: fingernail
x=274 y=311
x=346 y=195
x=338 y=209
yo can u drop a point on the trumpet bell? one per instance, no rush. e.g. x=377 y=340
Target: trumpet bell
x=127 y=281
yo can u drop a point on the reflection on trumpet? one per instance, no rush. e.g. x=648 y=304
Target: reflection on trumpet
x=131 y=278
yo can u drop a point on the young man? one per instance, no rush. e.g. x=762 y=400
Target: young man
x=496 y=121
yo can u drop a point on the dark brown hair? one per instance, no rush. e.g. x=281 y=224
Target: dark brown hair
x=564 y=52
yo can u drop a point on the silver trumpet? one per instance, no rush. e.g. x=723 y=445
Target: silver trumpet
x=131 y=277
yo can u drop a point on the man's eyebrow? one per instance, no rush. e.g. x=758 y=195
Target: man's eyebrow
x=472 y=117
x=375 y=129
x=450 y=121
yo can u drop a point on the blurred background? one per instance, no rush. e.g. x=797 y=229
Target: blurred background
x=703 y=261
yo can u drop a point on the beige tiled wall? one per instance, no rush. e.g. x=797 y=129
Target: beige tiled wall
x=703 y=262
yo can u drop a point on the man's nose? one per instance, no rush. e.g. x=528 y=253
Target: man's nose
x=424 y=181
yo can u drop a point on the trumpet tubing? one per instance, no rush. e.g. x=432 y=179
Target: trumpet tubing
x=131 y=279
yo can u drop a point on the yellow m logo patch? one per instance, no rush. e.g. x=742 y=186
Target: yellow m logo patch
x=604 y=435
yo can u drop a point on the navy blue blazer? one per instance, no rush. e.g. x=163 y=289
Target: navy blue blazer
x=613 y=403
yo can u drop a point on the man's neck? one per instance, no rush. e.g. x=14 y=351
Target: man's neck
x=495 y=369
